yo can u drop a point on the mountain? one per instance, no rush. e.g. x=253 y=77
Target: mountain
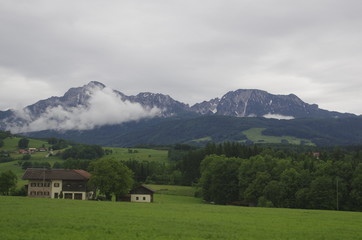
x=206 y=107
x=94 y=105
x=169 y=107
x=258 y=103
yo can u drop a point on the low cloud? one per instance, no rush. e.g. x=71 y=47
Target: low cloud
x=278 y=116
x=104 y=107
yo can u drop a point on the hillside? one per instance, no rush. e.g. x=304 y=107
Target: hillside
x=169 y=217
x=12 y=159
x=201 y=130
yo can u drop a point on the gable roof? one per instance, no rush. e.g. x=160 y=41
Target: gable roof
x=142 y=189
x=55 y=174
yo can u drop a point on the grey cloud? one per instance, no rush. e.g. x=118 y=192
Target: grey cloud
x=191 y=50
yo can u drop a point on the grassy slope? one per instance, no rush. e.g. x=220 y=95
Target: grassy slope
x=169 y=217
x=140 y=155
x=173 y=190
x=256 y=135
x=11 y=145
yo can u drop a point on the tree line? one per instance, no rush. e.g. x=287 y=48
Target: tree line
x=275 y=178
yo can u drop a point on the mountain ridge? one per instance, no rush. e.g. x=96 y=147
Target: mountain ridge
x=61 y=111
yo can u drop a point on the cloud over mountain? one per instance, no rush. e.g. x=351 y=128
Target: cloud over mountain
x=103 y=107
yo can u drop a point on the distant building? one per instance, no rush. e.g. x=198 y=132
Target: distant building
x=142 y=194
x=316 y=154
x=57 y=183
x=32 y=150
x=23 y=151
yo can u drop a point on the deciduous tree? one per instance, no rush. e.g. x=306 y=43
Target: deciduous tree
x=23 y=143
x=110 y=176
x=8 y=182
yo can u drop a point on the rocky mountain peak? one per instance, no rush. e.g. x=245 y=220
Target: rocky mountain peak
x=206 y=107
x=165 y=103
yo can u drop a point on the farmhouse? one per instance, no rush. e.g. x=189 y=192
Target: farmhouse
x=142 y=194
x=57 y=183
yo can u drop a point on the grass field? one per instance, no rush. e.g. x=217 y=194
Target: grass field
x=169 y=217
x=11 y=144
x=139 y=154
x=256 y=135
x=173 y=190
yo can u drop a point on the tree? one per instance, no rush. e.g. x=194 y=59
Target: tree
x=219 y=179
x=273 y=192
x=23 y=143
x=356 y=193
x=26 y=165
x=322 y=193
x=290 y=181
x=110 y=176
x=26 y=157
x=256 y=188
x=8 y=182
x=82 y=151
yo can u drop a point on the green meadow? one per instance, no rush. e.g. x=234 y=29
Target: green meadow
x=169 y=217
x=139 y=154
x=256 y=135
x=11 y=144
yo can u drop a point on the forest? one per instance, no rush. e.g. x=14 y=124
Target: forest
x=231 y=173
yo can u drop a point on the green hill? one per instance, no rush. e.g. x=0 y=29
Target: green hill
x=11 y=148
x=201 y=130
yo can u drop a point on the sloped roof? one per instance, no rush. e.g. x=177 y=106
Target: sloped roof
x=55 y=174
x=142 y=188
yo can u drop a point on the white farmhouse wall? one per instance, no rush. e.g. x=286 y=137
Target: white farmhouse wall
x=140 y=198
x=56 y=187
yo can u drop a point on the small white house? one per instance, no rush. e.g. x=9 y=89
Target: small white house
x=142 y=194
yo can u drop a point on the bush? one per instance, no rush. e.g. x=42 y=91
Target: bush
x=26 y=157
x=23 y=143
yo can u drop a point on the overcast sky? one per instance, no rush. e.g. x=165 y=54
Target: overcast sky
x=190 y=50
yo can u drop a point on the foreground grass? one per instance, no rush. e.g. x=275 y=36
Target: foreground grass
x=169 y=217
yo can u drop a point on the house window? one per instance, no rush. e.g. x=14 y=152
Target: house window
x=47 y=184
x=46 y=193
x=39 y=193
x=33 y=184
x=56 y=195
x=33 y=193
x=40 y=184
x=144 y=198
x=56 y=184
x=137 y=198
